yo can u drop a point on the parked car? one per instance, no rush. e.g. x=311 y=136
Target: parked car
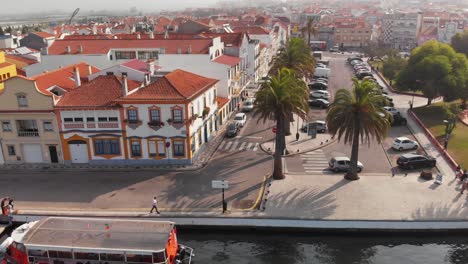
x=240 y=118
x=363 y=74
x=319 y=65
x=322 y=72
x=318 y=86
x=334 y=49
x=399 y=120
x=354 y=58
x=321 y=103
x=337 y=164
x=320 y=94
x=232 y=129
x=320 y=79
x=415 y=161
x=388 y=98
x=248 y=105
x=391 y=110
x=404 y=143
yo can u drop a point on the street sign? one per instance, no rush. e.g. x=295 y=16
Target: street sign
x=274 y=129
x=312 y=130
x=220 y=184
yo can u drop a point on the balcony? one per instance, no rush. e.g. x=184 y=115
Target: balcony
x=73 y=125
x=26 y=133
x=27 y=128
x=109 y=124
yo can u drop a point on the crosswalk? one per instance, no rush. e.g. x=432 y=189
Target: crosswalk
x=235 y=146
x=315 y=162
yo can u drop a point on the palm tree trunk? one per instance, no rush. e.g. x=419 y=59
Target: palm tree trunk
x=279 y=148
x=429 y=101
x=352 y=174
x=308 y=37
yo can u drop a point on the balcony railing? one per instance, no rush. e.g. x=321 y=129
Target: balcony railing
x=73 y=125
x=22 y=133
x=109 y=125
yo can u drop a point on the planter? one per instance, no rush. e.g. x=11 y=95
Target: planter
x=155 y=124
x=426 y=175
x=133 y=122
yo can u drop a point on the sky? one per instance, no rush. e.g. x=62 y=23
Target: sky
x=21 y=6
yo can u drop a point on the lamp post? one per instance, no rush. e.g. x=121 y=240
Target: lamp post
x=449 y=126
x=297 y=127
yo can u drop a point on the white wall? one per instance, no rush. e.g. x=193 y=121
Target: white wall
x=96 y=114
x=132 y=74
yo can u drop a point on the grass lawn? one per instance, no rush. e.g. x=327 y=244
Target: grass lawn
x=432 y=116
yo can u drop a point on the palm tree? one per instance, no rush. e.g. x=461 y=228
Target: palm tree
x=310 y=29
x=279 y=96
x=358 y=115
x=295 y=55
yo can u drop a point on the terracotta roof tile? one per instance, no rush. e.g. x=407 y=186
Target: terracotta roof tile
x=177 y=85
x=137 y=65
x=103 y=46
x=19 y=61
x=62 y=77
x=255 y=30
x=221 y=101
x=5 y=64
x=227 y=60
x=235 y=39
x=102 y=91
x=43 y=34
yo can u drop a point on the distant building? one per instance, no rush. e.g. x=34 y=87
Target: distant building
x=38 y=40
x=7 y=70
x=400 y=30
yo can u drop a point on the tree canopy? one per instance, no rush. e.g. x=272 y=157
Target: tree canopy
x=435 y=69
x=295 y=55
x=460 y=42
x=1 y=31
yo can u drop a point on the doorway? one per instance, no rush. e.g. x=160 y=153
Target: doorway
x=53 y=154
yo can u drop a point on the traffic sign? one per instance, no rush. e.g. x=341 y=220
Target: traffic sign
x=274 y=129
x=220 y=184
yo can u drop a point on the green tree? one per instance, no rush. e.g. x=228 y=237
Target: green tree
x=309 y=29
x=460 y=42
x=295 y=55
x=435 y=69
x=358 y=116
x=24 y=30
x=392 y=65
x=2 y=32
x=8 y=30
x=281 y=95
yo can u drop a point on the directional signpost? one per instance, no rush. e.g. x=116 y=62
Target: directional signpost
x=221 y=185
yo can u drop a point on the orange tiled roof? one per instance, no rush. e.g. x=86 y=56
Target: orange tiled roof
x=227 y=38
x=227 y=60
x=103 y=46
x=43 y=34
x=62 y=77
x=176 y=85
x=255 y=30
x=19 y=61
x=102 y=91
x=221 y=101
x=5 y=64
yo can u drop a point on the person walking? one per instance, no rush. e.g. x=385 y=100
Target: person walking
x=458 y=172
x=155 y=205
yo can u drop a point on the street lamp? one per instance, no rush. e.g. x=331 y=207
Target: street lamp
x=449 y=126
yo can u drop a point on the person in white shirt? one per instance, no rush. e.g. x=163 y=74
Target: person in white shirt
x=155 y=205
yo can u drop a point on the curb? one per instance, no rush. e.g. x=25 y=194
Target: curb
x=300 y=152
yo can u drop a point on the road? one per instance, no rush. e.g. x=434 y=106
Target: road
x=378 y=159
x=243 y=164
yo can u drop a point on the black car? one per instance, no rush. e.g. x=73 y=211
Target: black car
x=318 y=86
x=415 y=161
x=363 y=74
x=321 y=103
x=399 y=120
x=232 y=129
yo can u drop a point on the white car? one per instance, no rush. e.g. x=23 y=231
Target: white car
x=391 y=110
x=337 y=164
x=240 y=118
x=320 y=94
x=404 y=143
x=248 y=105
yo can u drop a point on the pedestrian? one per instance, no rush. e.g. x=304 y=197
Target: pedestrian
x=238 y=106
x=155 y=205
x=11 y=205
x=464 y=184
x=463 y=176
x=458 y=172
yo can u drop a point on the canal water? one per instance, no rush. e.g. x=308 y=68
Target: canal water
x=283 y=248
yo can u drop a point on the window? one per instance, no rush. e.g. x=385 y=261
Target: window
x=90 y=119
x=157 y=148
x=179 y=150
x=22 y=100
x=78 y=119
x=60 y=254
x=68 y=120
x=177 y=115
x=6 y=126
x=113 y=119
x=11 y=150
x=112 y=257
x=86 y=255
x=139 y=258
x=146 y=55
x=102 y=119
x=125 y=55
x=48 y=126
x=37 y=253
x=106 y=147
x=136 y=148
x=155 y=115
x=132 y=115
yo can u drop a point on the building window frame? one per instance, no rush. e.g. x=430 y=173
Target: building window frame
x=177 y=114
x=135 y=148
x=22 y=100
x=6 y=126
x=178 y=148
x=132 y=115
x=48 y=125
x=107 y=147
x=159 y=144
x=154 y=114
x=11 y=150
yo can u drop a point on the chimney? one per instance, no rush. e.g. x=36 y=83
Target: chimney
x=151 y=35
x=80 y=49
x=124 y=84
x=68 y=49
x=90 y=70
x=138 y=36
x=189 y=49
x=77 y=77
x=147 y=79
x=166 y=34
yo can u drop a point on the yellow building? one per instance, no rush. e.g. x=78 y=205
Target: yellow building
x=7 y=70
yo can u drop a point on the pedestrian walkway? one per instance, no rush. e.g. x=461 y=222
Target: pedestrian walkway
x=236 y=145
x=315 y=162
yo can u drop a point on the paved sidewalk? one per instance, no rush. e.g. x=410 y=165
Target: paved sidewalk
x=305 y=142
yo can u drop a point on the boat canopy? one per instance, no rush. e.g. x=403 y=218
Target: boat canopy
x=91 y=234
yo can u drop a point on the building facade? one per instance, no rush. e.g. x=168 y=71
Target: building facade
x=400 y=30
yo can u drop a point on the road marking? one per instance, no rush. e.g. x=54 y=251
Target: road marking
x=234 y=145
x=222 y=144
x=228 y=145
x=251 y=137
x=256 y=147
x=249 y=145
x=242 y=145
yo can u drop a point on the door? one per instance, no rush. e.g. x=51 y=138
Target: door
x=53 y=154
x=78 y=151
x=32 y=153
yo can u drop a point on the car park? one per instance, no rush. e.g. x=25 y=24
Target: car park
x=320 y=79
x=415 y=161
x=363 y=74
x=337 y=164
x=232 y=129
x=240 y=118
x=391 y=110
x=404 y=143
x=318 y=86
x=320 y=94
x=320 y=103
x=248 y=105
x=398 y=120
